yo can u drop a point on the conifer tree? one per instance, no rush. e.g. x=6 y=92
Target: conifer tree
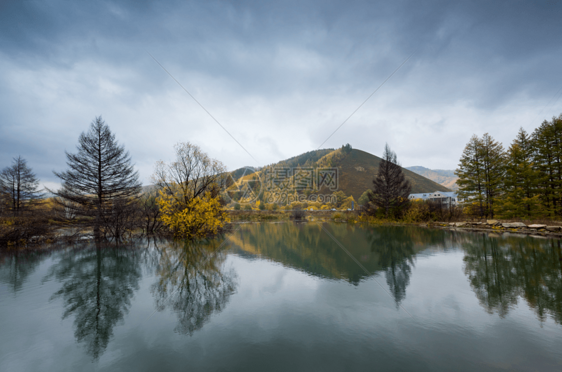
x=480 y=173
x=390 y=187
x=493 y=157
x=548 y=161
x=19 y=185
x=471 y=176
x=520 y=198
x=99 y=180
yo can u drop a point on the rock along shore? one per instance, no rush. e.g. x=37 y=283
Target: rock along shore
x=540 y=230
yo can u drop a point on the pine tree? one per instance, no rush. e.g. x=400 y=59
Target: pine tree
x=480 y=173
x=390 y=187
x=20 y=185
x=548 y=161
x=493 y=159
x=100 y=179
x=471 y=177
x=521 y=198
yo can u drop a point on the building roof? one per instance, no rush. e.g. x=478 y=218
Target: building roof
x=427 y=195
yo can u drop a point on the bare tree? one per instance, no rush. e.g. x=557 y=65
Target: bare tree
x=101 y=181
x=390 y=187
x=191 y=175
x=149 y=212
x=19 y=186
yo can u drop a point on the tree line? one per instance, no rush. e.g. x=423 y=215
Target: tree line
x=101 y=194
x=524 y=181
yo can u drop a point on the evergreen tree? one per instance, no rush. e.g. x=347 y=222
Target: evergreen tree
x=480 y=173
x=100 y=179
x=471 y=176
x=493 y=157
x=390 y=187
x=19 y=185
x=520 y=198
x=548 y=161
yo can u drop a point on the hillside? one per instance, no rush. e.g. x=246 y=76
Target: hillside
x=446 y=178
x=356 y=169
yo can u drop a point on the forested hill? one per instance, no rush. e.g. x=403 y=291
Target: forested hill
x=356 y=170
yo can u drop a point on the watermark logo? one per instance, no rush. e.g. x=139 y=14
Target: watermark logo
x=243 y=186
x=282 y=185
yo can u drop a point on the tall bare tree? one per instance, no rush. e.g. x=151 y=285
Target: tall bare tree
x=100 y=180
x=19 y=185
x=390 y=187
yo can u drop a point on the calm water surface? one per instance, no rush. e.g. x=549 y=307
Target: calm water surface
x=287 y=297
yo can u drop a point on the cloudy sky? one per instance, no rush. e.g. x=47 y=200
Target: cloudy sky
x=279 y=76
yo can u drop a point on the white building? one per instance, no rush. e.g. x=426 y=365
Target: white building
x=445 y=198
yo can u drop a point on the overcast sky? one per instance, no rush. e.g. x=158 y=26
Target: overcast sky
x=280 y=76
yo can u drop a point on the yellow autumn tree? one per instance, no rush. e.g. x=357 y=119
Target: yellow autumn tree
x=189 y=193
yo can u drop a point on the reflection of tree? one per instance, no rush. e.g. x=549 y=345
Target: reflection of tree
x=490 y=275
x=98 y=284
x=502 y=269
x=396 y=252
x=193 y=282
x=539 y=271
x=16 y=265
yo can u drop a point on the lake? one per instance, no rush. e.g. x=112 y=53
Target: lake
x=287 y=297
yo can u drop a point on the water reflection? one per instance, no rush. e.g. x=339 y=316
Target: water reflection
x=97 y=286
x=16 y=265
x=503 y=269
x=384 y=249
x=193 y=282
x=282 y=311
x=396 y=252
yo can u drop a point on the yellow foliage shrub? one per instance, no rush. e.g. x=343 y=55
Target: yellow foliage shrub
x=199 y=217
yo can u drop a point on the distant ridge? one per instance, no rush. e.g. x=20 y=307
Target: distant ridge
x=445 y=178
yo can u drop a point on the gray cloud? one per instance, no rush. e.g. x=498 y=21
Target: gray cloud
x=279 y=76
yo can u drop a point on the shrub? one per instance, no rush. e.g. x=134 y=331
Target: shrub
x=201 y=217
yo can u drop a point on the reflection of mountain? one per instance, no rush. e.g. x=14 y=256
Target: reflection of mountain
x=16 y=265
x=98 y=284
x=501 y=270
x=193 y=282
x=388 y=249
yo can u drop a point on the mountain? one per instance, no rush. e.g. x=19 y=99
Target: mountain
x=446 y=178
x=356 y=169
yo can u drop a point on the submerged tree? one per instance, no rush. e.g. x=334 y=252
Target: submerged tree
x=19 y=186
x=100 y=182
x=390 y=187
